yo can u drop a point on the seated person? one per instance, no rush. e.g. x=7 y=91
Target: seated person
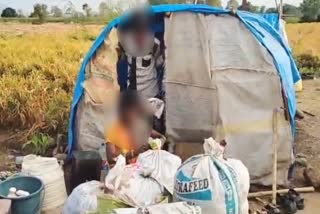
x=130 y=133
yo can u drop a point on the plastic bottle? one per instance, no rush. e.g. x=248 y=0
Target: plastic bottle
x=104 y=164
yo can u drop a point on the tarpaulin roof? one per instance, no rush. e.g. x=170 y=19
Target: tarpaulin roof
x=264 y=27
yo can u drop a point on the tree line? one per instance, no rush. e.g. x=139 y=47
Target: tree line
x=308 y=11
x=42 y=11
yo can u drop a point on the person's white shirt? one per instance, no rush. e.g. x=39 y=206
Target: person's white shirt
x=146 y=71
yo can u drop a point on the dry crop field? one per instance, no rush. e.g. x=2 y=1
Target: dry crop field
x=39 y=65
x=304 y=38
x=38 y=69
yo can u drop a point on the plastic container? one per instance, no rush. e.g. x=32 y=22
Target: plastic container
x=86 y=166
x=30 y=204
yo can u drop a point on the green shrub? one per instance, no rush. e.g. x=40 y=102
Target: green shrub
x=39 y=144
x=308 y=65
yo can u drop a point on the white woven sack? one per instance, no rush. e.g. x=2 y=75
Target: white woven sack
x=51 y=174
x=212 y=183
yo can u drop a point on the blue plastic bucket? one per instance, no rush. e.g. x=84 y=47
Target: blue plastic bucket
x=24 y=205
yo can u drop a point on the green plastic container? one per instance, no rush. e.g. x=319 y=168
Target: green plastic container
x=24 y=205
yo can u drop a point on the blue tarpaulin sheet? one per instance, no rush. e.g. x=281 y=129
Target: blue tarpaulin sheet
x=264 y=27
x=273 y=19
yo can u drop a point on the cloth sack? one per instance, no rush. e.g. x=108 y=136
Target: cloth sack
x=143 y=183
x=50 y=172
x=161 y=166
x=213 y=183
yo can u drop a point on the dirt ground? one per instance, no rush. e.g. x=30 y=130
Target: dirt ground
x=308 y=134
x=308 y=139
x=311 y=203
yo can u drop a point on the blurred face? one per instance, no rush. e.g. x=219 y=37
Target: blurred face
x=137 y=43
x=138 y=115
x=140 y=38
x=132 y=115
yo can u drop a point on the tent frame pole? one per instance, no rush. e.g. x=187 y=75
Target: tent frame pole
x=276 y=3
x=280 y=8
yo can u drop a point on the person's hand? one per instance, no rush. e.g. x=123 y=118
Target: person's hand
x=141 y=149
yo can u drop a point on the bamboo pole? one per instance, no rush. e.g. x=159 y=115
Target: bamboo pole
x=281 y=191
x=277 y=6
x=280 y=9
x=275 y=155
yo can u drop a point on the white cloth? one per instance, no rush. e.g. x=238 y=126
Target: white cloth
x=157 y=106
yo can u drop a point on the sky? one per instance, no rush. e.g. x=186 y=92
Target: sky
x=27 y=5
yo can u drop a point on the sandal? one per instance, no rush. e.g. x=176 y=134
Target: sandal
x=288 y=206
x=272 y=210
x=295 y=196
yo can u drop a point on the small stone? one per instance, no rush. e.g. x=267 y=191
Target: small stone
x=61 y=157
x=19 y=160
x=11 y=157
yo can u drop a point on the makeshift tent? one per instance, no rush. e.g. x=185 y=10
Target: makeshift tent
x=225 y=74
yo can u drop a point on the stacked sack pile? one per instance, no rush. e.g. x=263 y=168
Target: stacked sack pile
x=147 y=184
x=147 y=181
x=206 y=183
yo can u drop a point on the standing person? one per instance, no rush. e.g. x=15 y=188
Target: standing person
x=144 y=55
